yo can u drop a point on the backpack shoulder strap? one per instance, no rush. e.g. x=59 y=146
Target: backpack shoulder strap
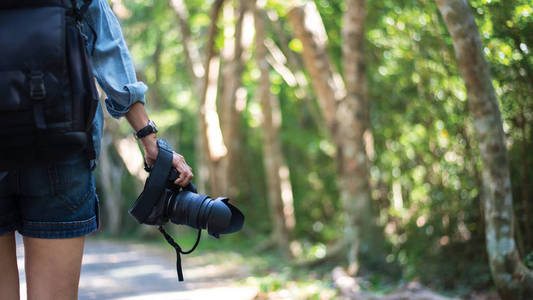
x=84 y=7
x=79 y=12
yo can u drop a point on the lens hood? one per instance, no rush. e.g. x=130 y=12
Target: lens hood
x=224 y=218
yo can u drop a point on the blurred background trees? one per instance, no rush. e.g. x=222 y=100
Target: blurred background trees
x=341 y=128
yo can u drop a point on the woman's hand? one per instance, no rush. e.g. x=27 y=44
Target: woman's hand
x=150 y=148
x=138 y=118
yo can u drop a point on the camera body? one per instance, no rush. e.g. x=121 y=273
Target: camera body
x=162 y=201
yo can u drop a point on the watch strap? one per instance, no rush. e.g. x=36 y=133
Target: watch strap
x=146 y=130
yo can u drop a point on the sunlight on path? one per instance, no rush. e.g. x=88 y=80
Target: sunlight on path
x=207 y=293
x=113 y=270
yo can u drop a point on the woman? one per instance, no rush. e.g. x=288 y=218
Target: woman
x=55 y=207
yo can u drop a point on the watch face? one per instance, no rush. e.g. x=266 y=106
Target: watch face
x=151 y=123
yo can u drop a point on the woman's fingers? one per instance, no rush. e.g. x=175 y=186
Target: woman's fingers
x=185 y=171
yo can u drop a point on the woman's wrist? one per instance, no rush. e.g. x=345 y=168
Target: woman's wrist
x=138 y=119
x=149 y=144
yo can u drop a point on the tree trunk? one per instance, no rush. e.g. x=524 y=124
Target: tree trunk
x=346 y=115
x=197 y=74
x=279 y=189
x=310 y=30
x=230 y=117
x=352 y=118
x=524 y=184
x=192 y=54
x=214 y=146
x=512 y=278
x=295 y=78
x=284 y=55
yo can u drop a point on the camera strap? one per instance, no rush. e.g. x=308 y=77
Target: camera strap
x=178 y=249
x=154 y=186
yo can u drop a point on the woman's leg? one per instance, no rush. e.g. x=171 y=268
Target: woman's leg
x=9 y=280
x=53 y=268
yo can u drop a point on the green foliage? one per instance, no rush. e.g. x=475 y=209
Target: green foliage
x=425 y=174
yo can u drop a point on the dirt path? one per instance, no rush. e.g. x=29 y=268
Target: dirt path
x=113 y=270
x=135 y=271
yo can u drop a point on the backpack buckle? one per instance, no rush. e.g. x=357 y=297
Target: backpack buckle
x=37 y=88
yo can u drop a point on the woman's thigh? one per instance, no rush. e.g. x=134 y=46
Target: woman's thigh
x=9 y=280
x=53 y=267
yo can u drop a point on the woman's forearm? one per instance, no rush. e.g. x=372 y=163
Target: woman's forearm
x=138 y=118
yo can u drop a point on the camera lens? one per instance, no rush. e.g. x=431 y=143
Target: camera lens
x=202 y=212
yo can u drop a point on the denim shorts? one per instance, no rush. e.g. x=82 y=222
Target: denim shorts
x=50 y=202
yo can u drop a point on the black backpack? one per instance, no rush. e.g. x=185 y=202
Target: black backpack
x=48 y=95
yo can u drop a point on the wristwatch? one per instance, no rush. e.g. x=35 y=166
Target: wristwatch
x=146 y=130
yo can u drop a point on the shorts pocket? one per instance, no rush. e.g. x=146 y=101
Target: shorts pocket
x=71 y=183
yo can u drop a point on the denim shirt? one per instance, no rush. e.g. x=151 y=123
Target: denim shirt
x=112 y=65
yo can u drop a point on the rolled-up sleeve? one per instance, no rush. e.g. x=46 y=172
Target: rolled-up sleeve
x=112 y=63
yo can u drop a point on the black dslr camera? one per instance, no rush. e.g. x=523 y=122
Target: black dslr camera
x=162 y=201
